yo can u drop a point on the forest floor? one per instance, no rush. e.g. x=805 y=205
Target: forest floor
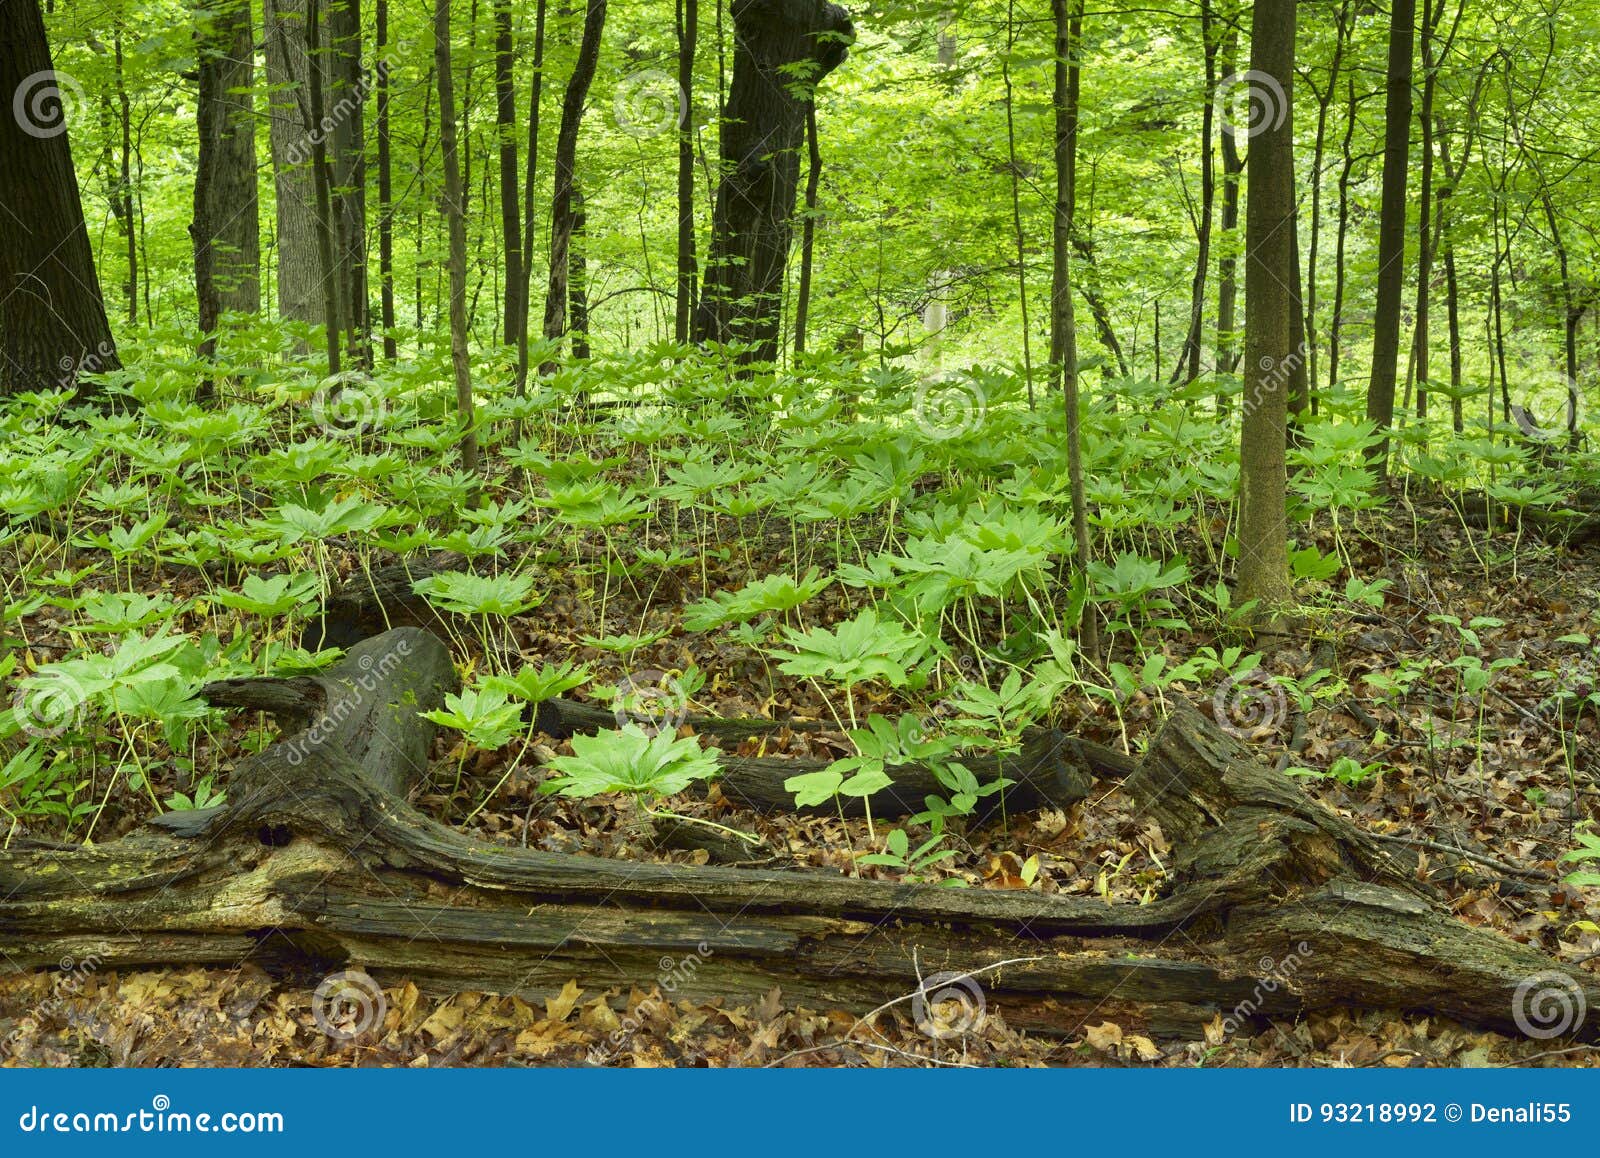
x=1484 y=791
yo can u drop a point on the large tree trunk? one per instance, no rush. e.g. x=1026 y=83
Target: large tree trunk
x=300 y=294
x=1271 y=297
x=225 y=231
x=1278 y=906
x=1392 y=229
x=763 y=130
x=53 y=323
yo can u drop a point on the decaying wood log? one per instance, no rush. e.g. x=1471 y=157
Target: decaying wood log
x=318 y=860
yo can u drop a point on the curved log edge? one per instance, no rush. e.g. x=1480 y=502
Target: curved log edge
x=1279 y=906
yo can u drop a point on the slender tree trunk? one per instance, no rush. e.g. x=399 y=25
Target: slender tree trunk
x=782 y=50
x=321 y=178
x=347 y=90
x=1392 y=229
x=1228 y=262
x=578 y=274
x=1014 y=169
x=124 y=195
x=1324 y=102
x=53 y=323
x=1270 y=308
x=688 y=22
x=808 y=230
x=455 y=219
x=1188 y=366
x=505 y=106
x=1068 y=17
x=1336 y=321
x=562 y=211
x=1432 y=12
x=529 y=190
x=385 y=187
x=1452 y=314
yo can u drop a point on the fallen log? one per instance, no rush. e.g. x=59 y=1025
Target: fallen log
x=318 y=861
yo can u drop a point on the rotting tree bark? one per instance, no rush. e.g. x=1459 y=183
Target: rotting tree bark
x=782 y=50
x=319 y=860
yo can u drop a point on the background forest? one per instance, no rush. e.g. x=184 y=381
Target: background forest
x=872 y=456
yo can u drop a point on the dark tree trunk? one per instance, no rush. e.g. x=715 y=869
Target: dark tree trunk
x=1392 y=229
x=1336 y=318
x=454 y=207
x=808 y=230
x=1324 y=102
x=1228 y=262
x=385 y=185
x=578 y=274
x=322 y=182
x=688 y=20
x=225 y=230
x=562 y=211
x=53 y=323
x=782 y=50
x=530 y=187
x=346 y=95
x=505 y=107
